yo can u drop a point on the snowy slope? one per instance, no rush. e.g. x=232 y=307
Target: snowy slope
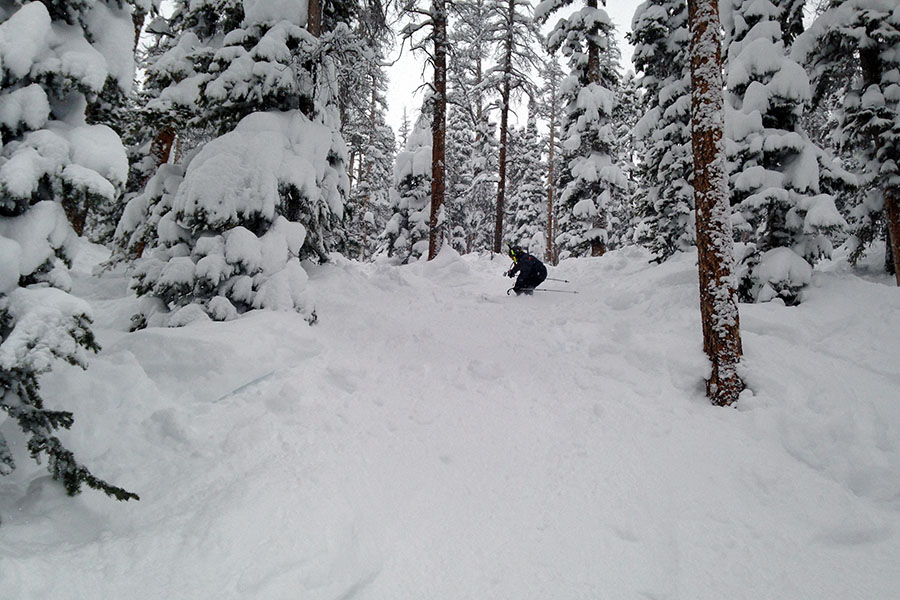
x=433 y=438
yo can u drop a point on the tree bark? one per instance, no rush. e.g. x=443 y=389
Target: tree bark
x=314 y=17
x=504 y=124
x=161 y=146
x=438 y=124
x=551 y=255
x=718 y=297
x=892 y=211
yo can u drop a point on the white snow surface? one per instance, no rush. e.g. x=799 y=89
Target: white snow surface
x=432 y=437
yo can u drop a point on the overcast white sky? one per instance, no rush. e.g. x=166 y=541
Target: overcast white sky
x=407 y=75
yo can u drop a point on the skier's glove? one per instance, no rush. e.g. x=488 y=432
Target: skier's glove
x=510 y=274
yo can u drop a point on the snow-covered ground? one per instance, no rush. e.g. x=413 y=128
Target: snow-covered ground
x=432 y=438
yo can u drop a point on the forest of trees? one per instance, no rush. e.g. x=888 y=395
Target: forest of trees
x=214 y=145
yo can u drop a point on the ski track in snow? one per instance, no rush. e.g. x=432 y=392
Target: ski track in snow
x=434 y=438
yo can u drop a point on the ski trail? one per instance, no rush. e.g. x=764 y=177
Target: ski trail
x=493 y=453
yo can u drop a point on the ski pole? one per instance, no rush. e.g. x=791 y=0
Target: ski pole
x=554 y=279
x=509 y=291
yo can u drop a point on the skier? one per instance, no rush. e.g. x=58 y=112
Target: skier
x=532 y=272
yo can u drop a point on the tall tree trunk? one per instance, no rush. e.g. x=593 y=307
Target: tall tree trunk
x=551 y=255
x=892 y=211
x=314 y=17
x=718 y=297
x=504 y=125
x=438 y=124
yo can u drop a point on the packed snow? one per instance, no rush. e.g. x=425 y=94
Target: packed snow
x=432 y=437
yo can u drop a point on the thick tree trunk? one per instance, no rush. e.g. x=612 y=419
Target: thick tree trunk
x=161 y=146
x=504 y=125
x=77 y=213
x=501 y=183
x=438 y=125
x=892 y=211
x=551 y=255
x=314 y=17
x=718 y=297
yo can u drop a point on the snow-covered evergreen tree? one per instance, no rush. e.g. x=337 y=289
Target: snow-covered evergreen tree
x=852 y=53
x=229 y=234
x=175 y=65
x=371 y=147
x=483 y=193
x=777 y=173
x=406 y=234
x=664 y=202
x=624 y=149
x=55 y=59
x=529 y=225
x=548 y=106
x=460 y=139
x=434 y=19
x=475 y=211
x=511 y=26
x=585 y=38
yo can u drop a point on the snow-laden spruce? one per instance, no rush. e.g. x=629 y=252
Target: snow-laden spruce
x=852 y=52
x=226 y=231
x=781 y=183
x=233 y=236
x=527 y=190
x=665 y=199
x=55 y=60
x=406 y=234
x=590 y=172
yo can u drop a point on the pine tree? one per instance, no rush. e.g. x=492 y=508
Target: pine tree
x=586 y=39
x=460 y=174
x=851 y=50
x=548 y=107
x=56 y=60
x=718 y=296
x=624 y=149
x=434 y=20
x=169 y=109
x=404 y=130
x=231 y=228
x=511 y=26
x=371 y=147
x=529 y=220
x=406 y=234
x=478 y=147
x=665 y=199
x=776 y=170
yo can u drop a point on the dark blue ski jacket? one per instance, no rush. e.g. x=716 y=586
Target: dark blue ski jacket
x=532 y=272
